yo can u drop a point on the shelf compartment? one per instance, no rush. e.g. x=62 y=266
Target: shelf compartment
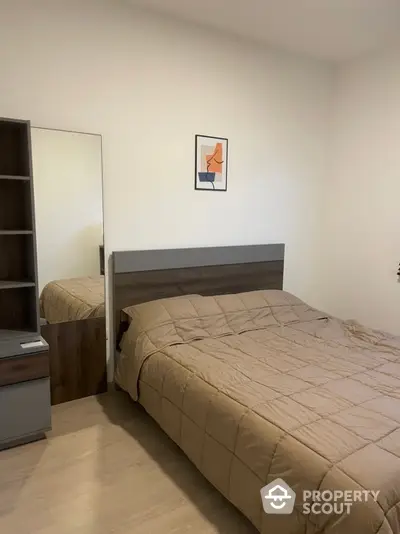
x=18 y=309
x=14 y=148
x=17 y=258
x=16 y=208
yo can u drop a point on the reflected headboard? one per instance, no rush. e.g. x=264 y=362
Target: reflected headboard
x=143 y=275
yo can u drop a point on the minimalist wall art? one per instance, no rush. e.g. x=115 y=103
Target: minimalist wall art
x=211 y=172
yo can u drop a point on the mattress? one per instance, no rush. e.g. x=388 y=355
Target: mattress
x=73 y=299
x=259 y=386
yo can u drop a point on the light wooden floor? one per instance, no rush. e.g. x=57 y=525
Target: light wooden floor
x=106 y=468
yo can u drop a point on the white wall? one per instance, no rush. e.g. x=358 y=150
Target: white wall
x=148 y=85
x=361 y=242
x=68 y=203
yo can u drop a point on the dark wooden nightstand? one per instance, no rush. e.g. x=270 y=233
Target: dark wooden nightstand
x=24 y=398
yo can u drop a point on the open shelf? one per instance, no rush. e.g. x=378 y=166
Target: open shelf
x=16 y=208
x=18 y=309
x=17 y=258
x=14 y=143
x=18 y=277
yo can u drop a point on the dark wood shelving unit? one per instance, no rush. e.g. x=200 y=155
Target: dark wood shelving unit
x=24 y=387
x=18 y=277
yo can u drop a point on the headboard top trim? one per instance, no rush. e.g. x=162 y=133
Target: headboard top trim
x=151 y=260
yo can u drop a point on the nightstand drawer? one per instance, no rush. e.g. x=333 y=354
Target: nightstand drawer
x=24 y=411
x=23 y=368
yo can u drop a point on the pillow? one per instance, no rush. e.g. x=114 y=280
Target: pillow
x=130 y=309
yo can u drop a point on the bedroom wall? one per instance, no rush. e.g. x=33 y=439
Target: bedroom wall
x=148 y=85
x=361 y=244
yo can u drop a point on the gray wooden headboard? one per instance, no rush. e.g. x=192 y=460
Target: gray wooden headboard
x=144 y=275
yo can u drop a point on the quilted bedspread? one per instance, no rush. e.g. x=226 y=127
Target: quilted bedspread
x=259 y=386
x=73 y=299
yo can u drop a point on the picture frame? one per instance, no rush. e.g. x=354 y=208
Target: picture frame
x=211 y=163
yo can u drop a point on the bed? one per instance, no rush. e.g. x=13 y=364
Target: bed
x=73 y=299
x=257 y=385
x=73 y=323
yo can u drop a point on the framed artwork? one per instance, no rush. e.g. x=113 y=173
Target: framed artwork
x=211 y=163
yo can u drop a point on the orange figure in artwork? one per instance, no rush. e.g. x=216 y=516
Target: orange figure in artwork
x=215 y=160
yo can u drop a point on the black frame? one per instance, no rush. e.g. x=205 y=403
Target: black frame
x=195 y=163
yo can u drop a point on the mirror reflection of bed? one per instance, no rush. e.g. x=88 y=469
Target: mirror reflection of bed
x=67 y=168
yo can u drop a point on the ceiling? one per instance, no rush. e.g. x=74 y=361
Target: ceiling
x=327 y=29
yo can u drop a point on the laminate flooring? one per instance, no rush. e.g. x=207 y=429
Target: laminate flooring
x=107 y=468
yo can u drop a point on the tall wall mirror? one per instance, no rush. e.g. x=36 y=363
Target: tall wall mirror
x=67 y=177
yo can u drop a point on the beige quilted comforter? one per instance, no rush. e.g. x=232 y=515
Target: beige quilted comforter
x=73 y=299
x=258 y=386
